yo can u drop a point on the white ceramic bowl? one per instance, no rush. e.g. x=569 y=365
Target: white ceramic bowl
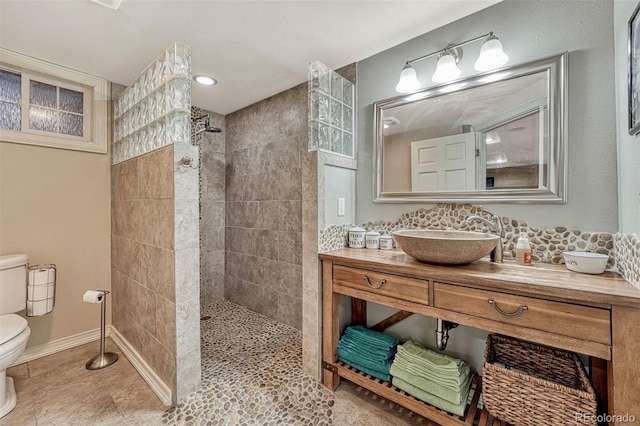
x=585 y=262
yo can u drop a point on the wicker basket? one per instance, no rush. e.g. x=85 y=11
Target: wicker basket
x=531 y=385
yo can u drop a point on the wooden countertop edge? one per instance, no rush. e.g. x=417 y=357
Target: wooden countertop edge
x=539 y=280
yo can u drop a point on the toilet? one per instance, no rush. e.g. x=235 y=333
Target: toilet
x=14 y=330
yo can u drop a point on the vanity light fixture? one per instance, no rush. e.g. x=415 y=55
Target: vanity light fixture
x=491 y=56
x=390 y=121
x=205 y=80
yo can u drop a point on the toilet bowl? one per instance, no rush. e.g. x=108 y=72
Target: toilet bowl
x=14 y=330
x=14 y=335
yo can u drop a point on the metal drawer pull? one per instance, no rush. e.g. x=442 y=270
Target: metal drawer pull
x=366 y=279
x=507 y=314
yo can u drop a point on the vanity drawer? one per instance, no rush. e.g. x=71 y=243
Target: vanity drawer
x=410 y=289
x=566 y=319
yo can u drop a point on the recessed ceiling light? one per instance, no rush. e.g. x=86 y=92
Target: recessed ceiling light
x=205 y=80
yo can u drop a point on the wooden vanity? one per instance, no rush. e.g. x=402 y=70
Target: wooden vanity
x=595 y=315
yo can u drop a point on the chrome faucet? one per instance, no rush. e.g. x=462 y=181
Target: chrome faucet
x=495 y=225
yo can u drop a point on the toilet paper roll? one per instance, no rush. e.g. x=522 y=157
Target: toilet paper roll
x=93 y=296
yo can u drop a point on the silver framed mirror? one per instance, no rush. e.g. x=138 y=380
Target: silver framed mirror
x=499 y=136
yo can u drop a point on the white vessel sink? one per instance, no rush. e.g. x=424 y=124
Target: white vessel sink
x=445 y=247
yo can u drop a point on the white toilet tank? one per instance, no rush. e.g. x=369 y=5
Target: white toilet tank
x=13 y=283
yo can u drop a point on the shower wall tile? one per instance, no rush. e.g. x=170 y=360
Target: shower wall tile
x=157 y=228
x=166 y=323
x=155 y=174
x=241 y=266
x=143 y=280
x=288 y=184
x=281 y=215
x=189 y=372
x=187 y=275
x=118 y=294
x=185 y=179
x=157 y=271
x=211 y=264
x=290 y=247
x=125 y=181
x=212 y=170
x=212 y=289
x=288 y=311
x=188 y=327
x=212 y=147
x=242 y=214
x=143 y=310
x=126 y=218
x=126 y=256
x=187 y=227
x=213 y=237
x=264 y=204
x=213 y=213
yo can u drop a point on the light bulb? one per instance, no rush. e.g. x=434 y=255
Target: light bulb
x=408 y=80
x=446 y=69
x=491 y=55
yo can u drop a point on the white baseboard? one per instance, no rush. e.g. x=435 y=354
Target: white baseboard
x=50 y=348
x=148 y=374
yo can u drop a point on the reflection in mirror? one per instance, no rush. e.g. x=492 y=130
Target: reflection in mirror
x=497 y=136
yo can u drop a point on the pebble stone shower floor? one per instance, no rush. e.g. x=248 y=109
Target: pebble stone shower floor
x=252 y=375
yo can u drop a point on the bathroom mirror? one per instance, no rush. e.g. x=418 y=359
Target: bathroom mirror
x=496 y=136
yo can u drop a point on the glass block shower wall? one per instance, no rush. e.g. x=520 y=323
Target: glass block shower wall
x=331 y=111
x=155 y=110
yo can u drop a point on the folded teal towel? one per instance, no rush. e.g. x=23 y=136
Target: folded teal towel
x=386 y=377
x=354 y=357
x=418 y=354
x=457 y=409
x=451 y=381
x=434 y=388
x=375 y=338
x=366 y=350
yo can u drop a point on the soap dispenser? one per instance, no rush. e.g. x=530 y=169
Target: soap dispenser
x=523 y=250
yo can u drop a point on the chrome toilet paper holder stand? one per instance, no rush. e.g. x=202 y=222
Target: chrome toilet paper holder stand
x=103 y=359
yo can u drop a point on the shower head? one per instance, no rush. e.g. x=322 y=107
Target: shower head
x=207 y=126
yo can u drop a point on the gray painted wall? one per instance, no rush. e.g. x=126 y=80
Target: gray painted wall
x=628 y=146
x=528 y=30
x=339 y=183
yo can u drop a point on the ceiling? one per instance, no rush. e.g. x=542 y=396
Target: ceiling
x=254 y=48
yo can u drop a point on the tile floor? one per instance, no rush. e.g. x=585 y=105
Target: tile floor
x=251 y=375
x=59 y=390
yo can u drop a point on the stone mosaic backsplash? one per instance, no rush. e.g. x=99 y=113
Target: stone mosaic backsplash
x=547 y=243
x=627 y=249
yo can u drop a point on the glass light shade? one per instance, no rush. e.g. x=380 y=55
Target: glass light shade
x=491 y=55
x=446 y=69
x=408 y=80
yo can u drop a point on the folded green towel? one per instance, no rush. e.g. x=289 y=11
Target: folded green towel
x=434 y=388
x=375 y=338
x=422 y=356
x=451 y=381
x=457 y=409
x=362 y=361
x=365 y=353
x=366 y=350
x=386 y=377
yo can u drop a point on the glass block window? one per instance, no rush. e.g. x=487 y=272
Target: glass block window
x=331 y=115
x=155 y=110
x=49 y=105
